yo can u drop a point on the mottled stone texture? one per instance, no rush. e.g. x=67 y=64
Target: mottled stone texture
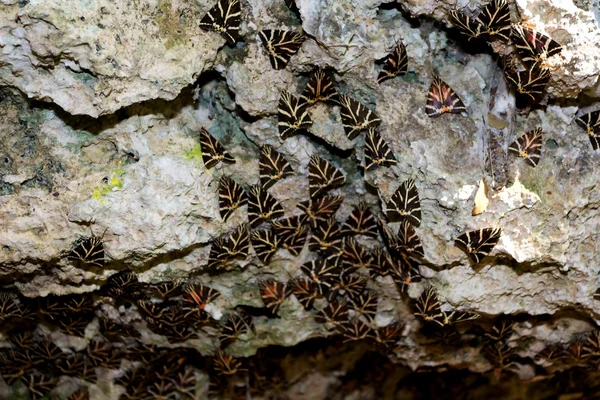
x=102 y=102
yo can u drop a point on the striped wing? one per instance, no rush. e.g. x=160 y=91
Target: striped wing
x=231 y=197
x=262 y=206
x=225 y=17
x=528 y=146
x=272 y=166
x=478 y=244
x=212 y=151
x=377 y=151
x=322 y=176
x=405 y=204
x=442 y=99
x=281 y=45
x=356 y=117
x=292 y=115
x=396 y=64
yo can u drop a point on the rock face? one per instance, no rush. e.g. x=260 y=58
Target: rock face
x=101 y=108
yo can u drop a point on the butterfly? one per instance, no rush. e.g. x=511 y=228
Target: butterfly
x=265 y=244
x=591 y=123
x=88 y=251
x=382 y=263
x=528 y=146
x=322 y=176
x=428 y=306
x=501 y=331
x=390 y=239
x=534 y=47
x=225 y=18
x=377 y=151
x=273 y=293
x=238 y=323
x=405 y=204
x=326 y=235
x=199 y=295
x=272 y=166
x=355 y=329
x=495 y=20
x=231 y=197
x=360 y=222
x=466 y=25
x=322 y=272
x=292 y=115
x=356 y=117
x=501 y=356
x=226 y=365
x=295 y=243
x=262 y=206
x=478 y=244
x=287 y=228
x=321 y=209
x=396 y=64
x=388 y=335
x=320 y=87
x=335 y=313
x=124 y=284
x=352 y=285
x=408 y=242
x=442 y=99
x=218 y=254
x=529 y=84
x=212 y=151
x=404 y=271
x=355 y=255
x=305 y=291
x=238 y=243
x=281 y=45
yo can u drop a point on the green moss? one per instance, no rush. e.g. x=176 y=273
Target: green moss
x=411 y=77
x=169 y=25
x=194 y=154
x=114 y=182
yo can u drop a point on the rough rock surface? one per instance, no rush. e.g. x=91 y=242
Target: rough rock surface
x=100 y=111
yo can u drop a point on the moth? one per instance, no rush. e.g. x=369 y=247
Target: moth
x=405 y=204
x=591 y=123
x=396 y=64
x=352 y=285
x=225 y=18
x=262 y=206
x=388 y=335
x=200 y=295
x=377 y=151
x=529 y=84
x=166 y=289
x=360 y=222
x=265 y=244
x=591 y=347
x=225 y=364
x=231 y=197
x=326 y=235
x=335 y=313
x=355 y=255
x=218 y=254
x=305 y=291
x=501 y=331
x=500 y=355
x=442 y=99
x=321 y=209
x=428 y=306
x=355 y=329
x=272 y=166
x=295 y=243
x=237 y=324
x=39 y=384
x=320 y=87
x=124 y=284
x=8 y=307
x=534 y=47
x=281 y=45
x=390 y=238
x=238 y=243
x=528 y=146
x=292 y=116
x=479 y=243
x=322 y=272
x=495 y=20
x=365 y=303
x=88 y=251
x=408 y=242
x=470 y=27
x=382 y=263
x=273 y=293
x=404 y=271
x=213 y=152
x=323 y=176
x=356 y=117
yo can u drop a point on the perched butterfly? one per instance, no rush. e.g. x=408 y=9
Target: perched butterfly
x=377 y=151
x=356 y=117
x=500 y=355
x=388 y=335
x=212 y=151
x=273 y=166
x=501 y=331
x=322 y=176
x=265 y=244
x=442 y=99
x=428 y=306
x=495 y=20
x=322 y=272
x=236 y=325
x=591 y=347
x=124 y=284
x=335 y=313
x=281 y=45
x=390 y=239
x=404 y=271
x=273 y=293
x=405 y=204
x=262 y=206
x=529 y=84
x=591 y=123
x=218 y=253
x=165 y=289
x=225 y=364
x=305 y=291
x=286 y=228
x=360 y=222
x=231 y=197
x=200 y=295
x=396 y=64
x=353 y=285
x=326 y=235
x=39 y=384
x=225 y=18
x=466 y=25
x=382 y=263
x=238 y=244
x=292 y=116
x=456 y=316
x=528 y=146
x=408 y=241
x=478 y=244
x=355 y=329
x=88 y=251
x=534 y=47
x=365 y=303
x=321 y=209
x=320 y=87
x=355 y=255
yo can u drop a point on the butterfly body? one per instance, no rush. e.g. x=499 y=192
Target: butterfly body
x=528 y=146
x=442 y=99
